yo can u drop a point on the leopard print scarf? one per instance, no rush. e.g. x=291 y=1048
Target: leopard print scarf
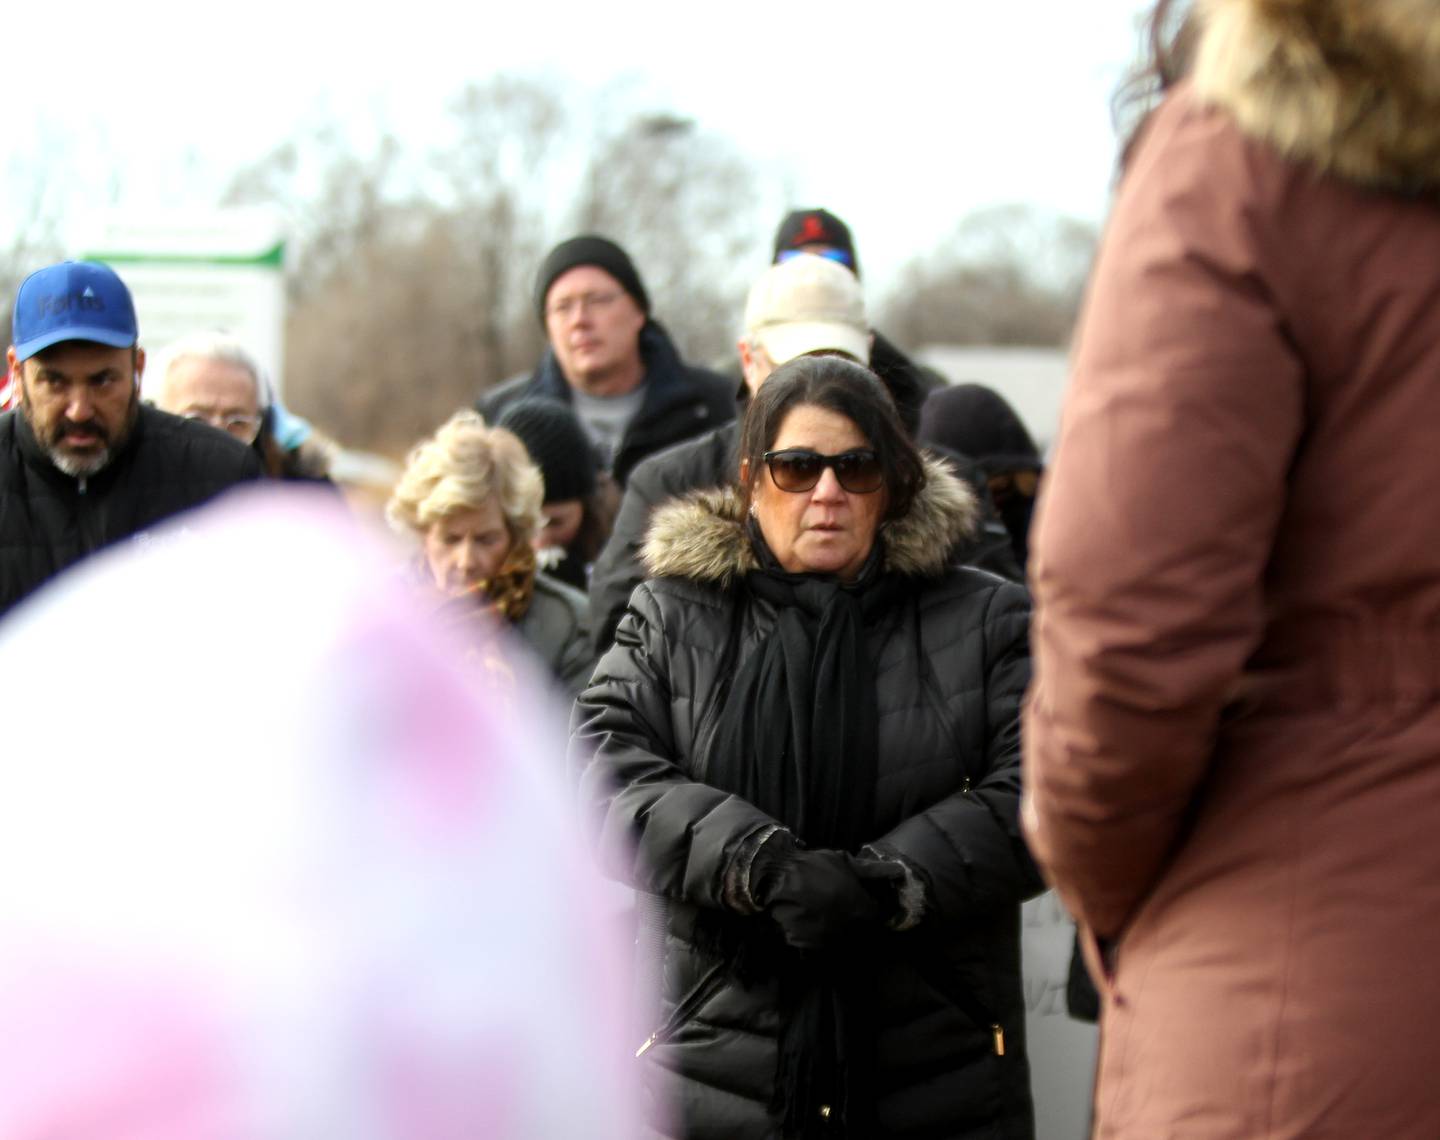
x=512 y=588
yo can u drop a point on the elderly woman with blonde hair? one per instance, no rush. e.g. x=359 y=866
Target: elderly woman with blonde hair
x=473 y=498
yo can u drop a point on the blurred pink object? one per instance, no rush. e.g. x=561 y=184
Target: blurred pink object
x=280 y=868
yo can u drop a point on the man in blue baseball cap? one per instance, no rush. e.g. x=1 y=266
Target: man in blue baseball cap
x=82 y=462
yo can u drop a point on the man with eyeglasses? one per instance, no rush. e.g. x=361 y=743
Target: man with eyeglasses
x=612 y=361
x=212 y=377
x=83 y=463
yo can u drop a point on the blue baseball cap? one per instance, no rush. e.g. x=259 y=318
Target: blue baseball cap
x=75 y=300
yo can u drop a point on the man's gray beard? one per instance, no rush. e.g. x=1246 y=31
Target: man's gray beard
x=77 y=467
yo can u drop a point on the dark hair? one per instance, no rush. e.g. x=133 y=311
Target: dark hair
x=842 y=386
x=1170 y=34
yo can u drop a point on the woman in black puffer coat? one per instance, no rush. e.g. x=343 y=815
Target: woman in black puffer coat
x=804 y=749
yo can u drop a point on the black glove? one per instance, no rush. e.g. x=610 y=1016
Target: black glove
x=816 y=897
x=884 y=879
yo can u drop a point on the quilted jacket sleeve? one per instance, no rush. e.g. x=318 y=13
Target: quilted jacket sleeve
x=968 y=846
x=658 y=828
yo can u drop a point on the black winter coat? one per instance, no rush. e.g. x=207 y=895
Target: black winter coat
x=680 y=401
x=952 y=658
x=712 y=461
x=49 y=520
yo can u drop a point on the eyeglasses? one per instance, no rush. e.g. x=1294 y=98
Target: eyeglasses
x=596 y=301
x=799 y=469
x=243 y=428
x=829 y=252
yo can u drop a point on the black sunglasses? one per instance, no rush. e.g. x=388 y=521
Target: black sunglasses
x=799 y=469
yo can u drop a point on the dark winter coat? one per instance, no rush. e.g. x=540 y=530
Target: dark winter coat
x=712 y=461
x=49 y=520
x=680 y=401
x=952 y=659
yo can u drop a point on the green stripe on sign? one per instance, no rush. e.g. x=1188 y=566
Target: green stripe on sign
x=274 y=258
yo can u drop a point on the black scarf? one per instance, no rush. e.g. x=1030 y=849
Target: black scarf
x=798 y=737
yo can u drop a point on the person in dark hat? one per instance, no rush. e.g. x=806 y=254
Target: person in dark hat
x=978 y=422
x=580 y=499
x=611 y=361
x=819 y=232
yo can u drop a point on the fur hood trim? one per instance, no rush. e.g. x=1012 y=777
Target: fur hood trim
x=701 y=536
x=1352 y=86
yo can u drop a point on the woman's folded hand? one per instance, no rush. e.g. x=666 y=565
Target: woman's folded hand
x=816 y=897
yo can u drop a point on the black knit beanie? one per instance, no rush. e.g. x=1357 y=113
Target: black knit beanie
x=977 y=421
x=557 y=443
x=589 y=249
x=815 y=227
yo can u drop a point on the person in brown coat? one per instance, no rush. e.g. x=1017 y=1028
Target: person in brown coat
x=1233 y=741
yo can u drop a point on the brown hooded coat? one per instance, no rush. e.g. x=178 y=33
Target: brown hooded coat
x=1233 y=742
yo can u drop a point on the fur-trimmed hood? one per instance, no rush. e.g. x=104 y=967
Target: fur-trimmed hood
x=701 y=536
x=1352 y=86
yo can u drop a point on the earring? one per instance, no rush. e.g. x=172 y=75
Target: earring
x=754 y=514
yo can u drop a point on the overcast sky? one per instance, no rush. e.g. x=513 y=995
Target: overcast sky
x=900 y=116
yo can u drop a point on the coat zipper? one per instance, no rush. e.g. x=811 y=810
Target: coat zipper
x=89 y=542
x=686 y=1008
x=934 y=969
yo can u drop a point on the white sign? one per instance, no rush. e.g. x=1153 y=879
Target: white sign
x=217 y=271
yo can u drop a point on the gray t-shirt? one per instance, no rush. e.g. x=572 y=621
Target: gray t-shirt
x=606 y=418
